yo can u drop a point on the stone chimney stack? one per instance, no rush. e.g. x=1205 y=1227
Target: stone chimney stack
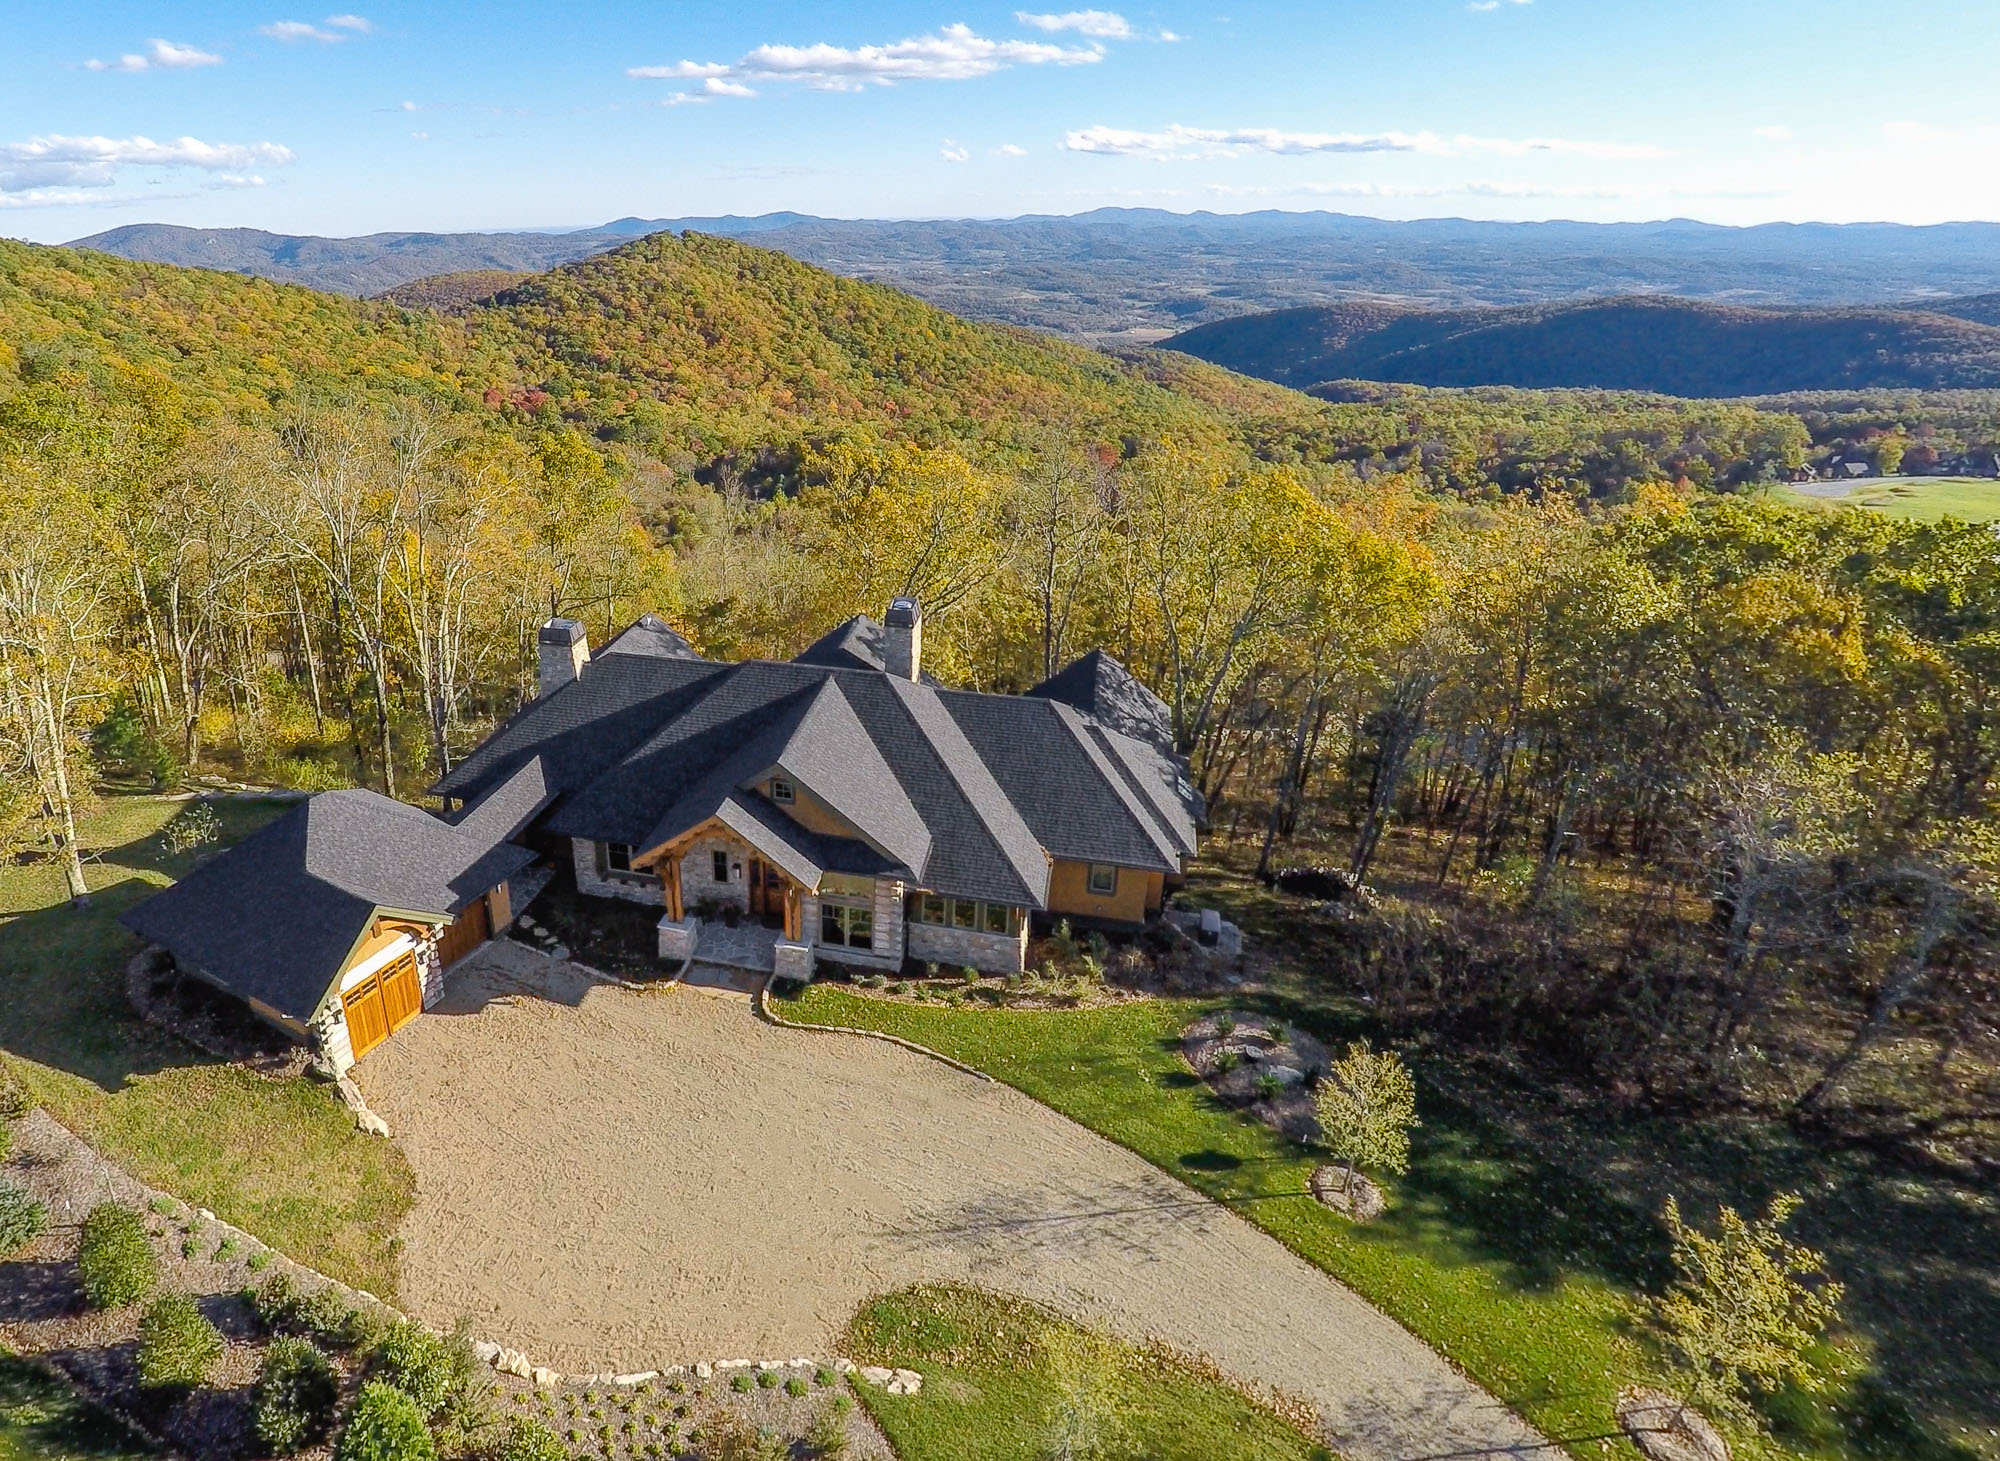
x=564 y=651
x=903 y=639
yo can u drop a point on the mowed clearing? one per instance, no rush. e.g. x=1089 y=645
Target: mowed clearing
x=1924 y=499
x=614 y=1180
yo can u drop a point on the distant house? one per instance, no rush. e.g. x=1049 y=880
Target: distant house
x=841 y=806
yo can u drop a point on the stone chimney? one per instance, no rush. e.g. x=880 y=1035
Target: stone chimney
x=903 y=638
x=564 y=651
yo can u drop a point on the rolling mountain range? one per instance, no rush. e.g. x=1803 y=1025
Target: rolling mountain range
x=1649 y=343
x=1136 y=275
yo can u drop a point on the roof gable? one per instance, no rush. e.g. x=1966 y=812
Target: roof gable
x=1105 y=690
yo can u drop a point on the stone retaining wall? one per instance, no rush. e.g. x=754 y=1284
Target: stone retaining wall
x=958 y=948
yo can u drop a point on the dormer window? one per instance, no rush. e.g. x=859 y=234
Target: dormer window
x=781 y=790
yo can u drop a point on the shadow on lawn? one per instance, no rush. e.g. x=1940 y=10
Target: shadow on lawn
x=62 y=992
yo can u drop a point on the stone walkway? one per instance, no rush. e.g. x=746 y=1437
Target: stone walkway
x=621 y=1180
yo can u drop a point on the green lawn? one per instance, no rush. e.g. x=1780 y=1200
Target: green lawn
x=281 y=1160
x=997 y=1373
x=42 y=1420
x=1494 y=1251
x=1926 y=499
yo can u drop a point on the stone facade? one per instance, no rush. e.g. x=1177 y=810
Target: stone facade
x=678 y=941
x=792 y=961
x=959 y=948
x=589 y=880
x=698 y=883
x=430 y=969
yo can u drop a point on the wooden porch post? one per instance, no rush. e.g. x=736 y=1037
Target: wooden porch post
x=793 y=905
x=671 y=876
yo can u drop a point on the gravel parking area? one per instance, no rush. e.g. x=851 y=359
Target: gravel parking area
x=612 y=1180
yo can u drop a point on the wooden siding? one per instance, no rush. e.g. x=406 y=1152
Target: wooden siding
x=1069 y=892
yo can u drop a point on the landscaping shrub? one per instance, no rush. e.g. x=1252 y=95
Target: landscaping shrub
x=795 y=1387
x=22 y=1219
x=530 y=1440
x=827 y=1440
x=324 y=1312
x=274 y=1302
x=178 y=1347
x=385 y=1426
x=727 y=1436
x=740 y=1383
x=195 y=827
x=296 y=1393
x=115 y=1262
x=418 y=1363
x=766 y=1380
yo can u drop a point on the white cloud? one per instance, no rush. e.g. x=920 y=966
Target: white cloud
x=163 y=55
x=1481 y=7
x=1009 y=149
x=1182 y=141
x=53 y=198
x=955 y=53
x=1105 y=25
x=93 y=162
x=298 y=30
x=953 y=152
x=359 y=24
x=716 y=86
x=1775 y=133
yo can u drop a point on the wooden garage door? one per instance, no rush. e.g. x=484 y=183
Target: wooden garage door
x=472 y=928
x=382 y=1004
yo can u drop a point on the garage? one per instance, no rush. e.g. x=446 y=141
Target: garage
x=465 y=933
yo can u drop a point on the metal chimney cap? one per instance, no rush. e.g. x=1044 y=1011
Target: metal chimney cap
x=904 y=613
x=560 y=631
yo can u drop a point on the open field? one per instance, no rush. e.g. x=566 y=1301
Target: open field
x=612 y=1180
x=280 y=1159
x=1923 y=499
x=1525 y=1229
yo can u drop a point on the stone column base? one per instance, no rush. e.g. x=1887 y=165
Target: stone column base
x=792 y=961
x=678 y=941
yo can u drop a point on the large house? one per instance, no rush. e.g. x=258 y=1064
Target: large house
x=842 y=806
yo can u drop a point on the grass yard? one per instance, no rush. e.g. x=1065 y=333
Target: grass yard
x=1003 y=1379
x=1494 y=1250
x=1924 y=499
x=279 y=1159
x=41 y=1420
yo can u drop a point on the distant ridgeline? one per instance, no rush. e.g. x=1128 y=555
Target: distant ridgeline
x=728 y=360
x=1636 y=343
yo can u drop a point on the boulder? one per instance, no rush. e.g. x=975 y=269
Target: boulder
x=543 y=1378
x=368 y=1121
x=904 y=1382
x=877 y=1375
x=637 y=1377
x=513 y=1362
x=703 y=1369
x=485 y=1351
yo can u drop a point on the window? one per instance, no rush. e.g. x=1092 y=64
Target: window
x=781 y=790
x=614 y=860
x=719 y=865
x=966 y=913
x=1103 y=879
x=848 y=925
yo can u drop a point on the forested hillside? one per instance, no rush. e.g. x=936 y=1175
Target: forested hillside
x=1494 y=634
x=1677 y=347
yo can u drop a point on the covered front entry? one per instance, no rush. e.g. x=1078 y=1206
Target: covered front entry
x=770 y=894
x=383 y=1003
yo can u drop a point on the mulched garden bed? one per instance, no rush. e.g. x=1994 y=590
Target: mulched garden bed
x=208 y=1019
x=1259 y=1065
x=606 y=934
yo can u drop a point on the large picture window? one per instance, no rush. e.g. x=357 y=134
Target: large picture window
x=845 y=925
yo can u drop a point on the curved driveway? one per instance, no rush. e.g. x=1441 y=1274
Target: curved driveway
x=612 y=1180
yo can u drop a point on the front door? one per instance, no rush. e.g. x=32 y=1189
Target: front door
x=767 y=893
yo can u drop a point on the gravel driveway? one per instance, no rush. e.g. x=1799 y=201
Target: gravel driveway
x=613 y=1180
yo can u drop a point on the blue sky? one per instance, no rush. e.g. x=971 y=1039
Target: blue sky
x=507 y=115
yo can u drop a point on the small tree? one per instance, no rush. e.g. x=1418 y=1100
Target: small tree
x=1744 y=1313
x=114 y=1260
x=1089 y=1420
x=1367 y=1105
x=178 y=1347
x=385 y=1425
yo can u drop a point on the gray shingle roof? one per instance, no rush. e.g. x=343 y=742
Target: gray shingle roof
x=273 y=917
x=649 y=634
x=966 y=794
x=856 y=644
x=1105 y=690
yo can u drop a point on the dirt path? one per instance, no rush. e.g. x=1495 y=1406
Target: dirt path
x=612 y=1180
